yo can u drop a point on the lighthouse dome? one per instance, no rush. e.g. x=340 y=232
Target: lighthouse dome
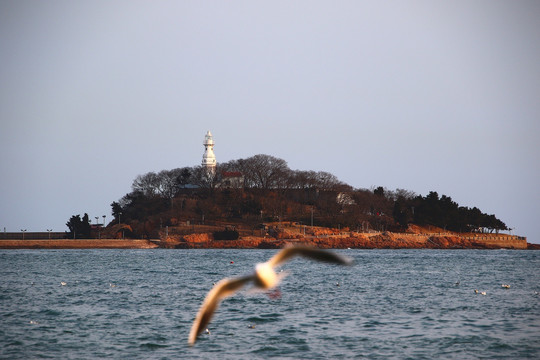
x=208 y=139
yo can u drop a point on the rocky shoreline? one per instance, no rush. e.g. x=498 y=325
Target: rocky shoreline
x=382 y=240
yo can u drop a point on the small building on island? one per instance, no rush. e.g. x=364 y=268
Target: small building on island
x=232 y=180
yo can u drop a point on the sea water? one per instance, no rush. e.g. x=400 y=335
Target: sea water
x=140 y=304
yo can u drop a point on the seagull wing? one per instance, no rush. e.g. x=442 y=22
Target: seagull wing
x=309 y=252
x=221 y=290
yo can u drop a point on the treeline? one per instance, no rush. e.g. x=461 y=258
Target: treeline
x=445 y=213
x=258 y=172
x=266 y=189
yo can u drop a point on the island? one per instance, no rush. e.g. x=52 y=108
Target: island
x=259 y=202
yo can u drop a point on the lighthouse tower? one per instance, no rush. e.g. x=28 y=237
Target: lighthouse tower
x=209 y=159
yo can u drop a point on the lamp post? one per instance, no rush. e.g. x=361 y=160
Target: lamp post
x=103 y=220
x=23 y=231
x=49 y=231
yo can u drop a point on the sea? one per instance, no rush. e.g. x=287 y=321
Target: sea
x=391 y=304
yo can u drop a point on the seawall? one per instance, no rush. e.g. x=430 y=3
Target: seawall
x=78 y=244
x=383 y=240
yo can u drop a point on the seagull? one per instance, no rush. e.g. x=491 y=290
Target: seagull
x=263 y=278
x=506 y=286
x=63 y=283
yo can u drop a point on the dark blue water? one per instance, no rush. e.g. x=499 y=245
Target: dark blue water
x=391 y=304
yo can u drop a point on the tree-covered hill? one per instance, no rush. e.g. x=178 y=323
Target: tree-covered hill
x=263 y=188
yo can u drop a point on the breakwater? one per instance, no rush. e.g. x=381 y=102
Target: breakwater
x=78 y=244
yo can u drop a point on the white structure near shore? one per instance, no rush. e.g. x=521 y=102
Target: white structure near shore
x=209 y=158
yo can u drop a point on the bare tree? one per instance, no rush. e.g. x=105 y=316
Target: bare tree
x=265 y=171
x=184 y=176
x=146 y=184
x=205 y=178
x=300 y=179
x=327 y=181
x=167 y=183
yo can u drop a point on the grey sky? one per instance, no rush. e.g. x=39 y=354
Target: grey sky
x=419 y=95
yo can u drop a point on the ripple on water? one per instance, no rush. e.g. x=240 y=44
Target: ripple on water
x=265 y=318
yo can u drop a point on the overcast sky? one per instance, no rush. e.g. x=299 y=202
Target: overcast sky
x=417 y=95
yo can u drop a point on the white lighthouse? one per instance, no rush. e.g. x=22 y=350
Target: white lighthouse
x=209 y=159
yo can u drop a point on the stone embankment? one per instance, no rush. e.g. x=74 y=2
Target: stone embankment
x=78 y=244
x=381 y=240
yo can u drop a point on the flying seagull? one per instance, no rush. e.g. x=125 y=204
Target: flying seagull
x=263 y=278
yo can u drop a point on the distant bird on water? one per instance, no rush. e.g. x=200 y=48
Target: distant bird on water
x=263 y=278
